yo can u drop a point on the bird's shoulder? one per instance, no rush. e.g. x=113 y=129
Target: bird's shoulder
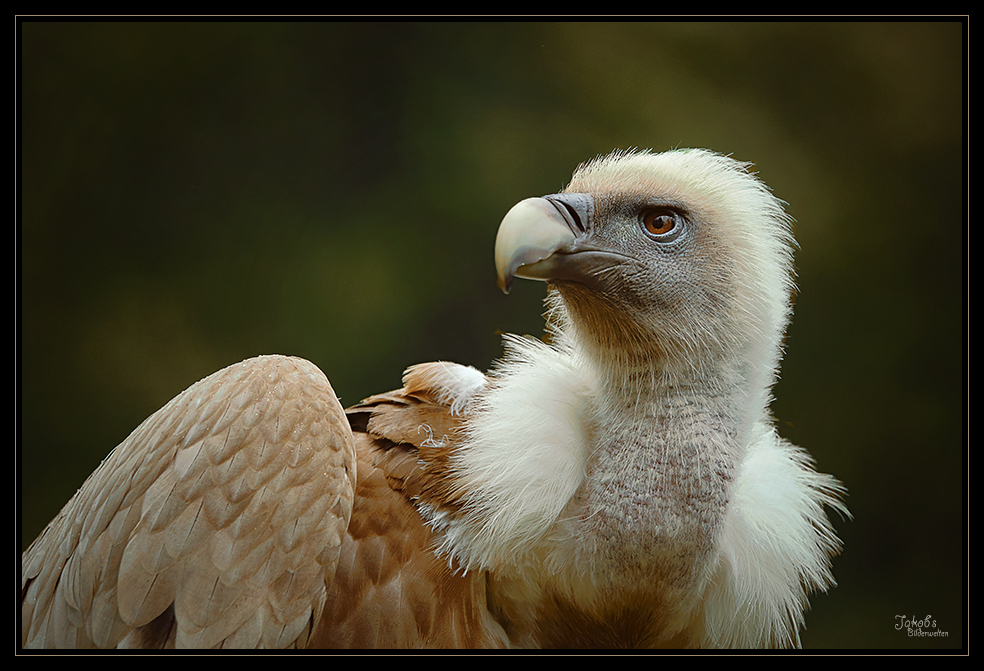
x=412 y=433
x=391 y=588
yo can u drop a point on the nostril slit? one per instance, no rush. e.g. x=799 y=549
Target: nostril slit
x=574 y=216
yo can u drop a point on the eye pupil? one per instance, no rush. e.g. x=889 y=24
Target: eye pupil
x=658 y=223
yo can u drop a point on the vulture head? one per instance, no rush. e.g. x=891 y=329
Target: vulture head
x=677 y=263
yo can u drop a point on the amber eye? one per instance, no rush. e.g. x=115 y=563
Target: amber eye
x=659 y=222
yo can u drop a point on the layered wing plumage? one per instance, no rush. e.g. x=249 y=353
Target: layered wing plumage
x=216 y=523
x=252 y=511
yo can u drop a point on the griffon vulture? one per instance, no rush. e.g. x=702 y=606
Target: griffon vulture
x=619 y=484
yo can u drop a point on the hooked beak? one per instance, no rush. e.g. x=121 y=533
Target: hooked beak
x=538 y=237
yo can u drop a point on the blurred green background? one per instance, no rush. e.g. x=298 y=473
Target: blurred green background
x=196 y=194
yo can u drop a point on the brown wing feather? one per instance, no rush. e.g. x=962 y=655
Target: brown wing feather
x=391 y=590
x=215 y=523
